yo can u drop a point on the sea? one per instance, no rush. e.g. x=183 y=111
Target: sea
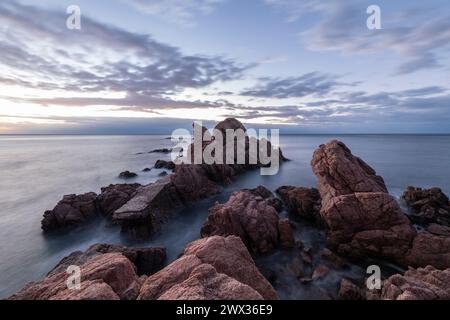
x=36 y=171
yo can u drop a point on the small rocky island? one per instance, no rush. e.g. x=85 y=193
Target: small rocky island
x=351 y=204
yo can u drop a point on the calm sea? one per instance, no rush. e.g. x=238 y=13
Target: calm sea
x=36 y=171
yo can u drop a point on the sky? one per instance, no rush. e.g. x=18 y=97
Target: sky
x=152 y=66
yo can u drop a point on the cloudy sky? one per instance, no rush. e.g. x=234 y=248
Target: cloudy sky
x=150 y=66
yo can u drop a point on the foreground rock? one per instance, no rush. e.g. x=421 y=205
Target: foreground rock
x=211 y=268
x=301 y=202
x=349 y=291
x=109 y=276
x=146 y=260
x=418 y=284
x=428 y=205
x=252 y=215
x=72 y=210
x=363 y=220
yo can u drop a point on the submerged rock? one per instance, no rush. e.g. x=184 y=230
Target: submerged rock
x=428 y=205
x=72 y=210
x=210 y=268
x=146 y=260
x=127 y=175
x=162 y=150
x=251 y=215
x=163 y=164
x=109 y=276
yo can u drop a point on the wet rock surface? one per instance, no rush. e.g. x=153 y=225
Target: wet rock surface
x=427 y=205
x=210 y=268
x=251 y=215
x=109 y=276
x=146 y=260
x=72 y=210
x=127 y=175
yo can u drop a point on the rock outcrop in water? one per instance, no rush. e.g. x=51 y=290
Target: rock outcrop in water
x=146 y=260
x=151 y=205
x=363 y=220
x=109 y=276
x=301 y=202
x=71 y=211
x=428 y=205
x=252 y=215
x=75 y=210
x=114 y=196
x=210 y=268
x=163 y=164
x=127 y=175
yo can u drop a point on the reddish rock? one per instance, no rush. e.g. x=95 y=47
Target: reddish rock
x=251 y=215
x=371 y=224
x=115 y=196
x=418 y=284
x=349 y=291
x=320 y=272
x=72 y=210
x=301 y=202
x=287 y=239
x=111 y=271
x=363 y=220
x=339 y=172
x=211 y=268
x=146 y=260
x=428 y=205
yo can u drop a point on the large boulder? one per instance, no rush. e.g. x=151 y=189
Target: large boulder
x=210 y=268
x=301 y=202
x=144 y=213
x=363 y=220
x=109 y=276
x=115 y=196
x=146 y=260
x=339 y=172
x=428 y=205
x=418 y=284
x=251 y=215
x=72 y=210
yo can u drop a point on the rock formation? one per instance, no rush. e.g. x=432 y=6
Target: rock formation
x=72 y=210
x=109 y=276
x=301 y=202
x=428 y=205
x=418 y=284
x=362 y=219
x=252 y=215
x=146 y=260
x=210 y=268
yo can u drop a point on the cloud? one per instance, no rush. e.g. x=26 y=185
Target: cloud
x=310 y=84
x=419 y=37
x=183 y=12
x=42 y=53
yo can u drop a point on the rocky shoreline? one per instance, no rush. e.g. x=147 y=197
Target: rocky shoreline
x=351 y=205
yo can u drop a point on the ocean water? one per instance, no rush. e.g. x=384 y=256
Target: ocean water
x=36 y=171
